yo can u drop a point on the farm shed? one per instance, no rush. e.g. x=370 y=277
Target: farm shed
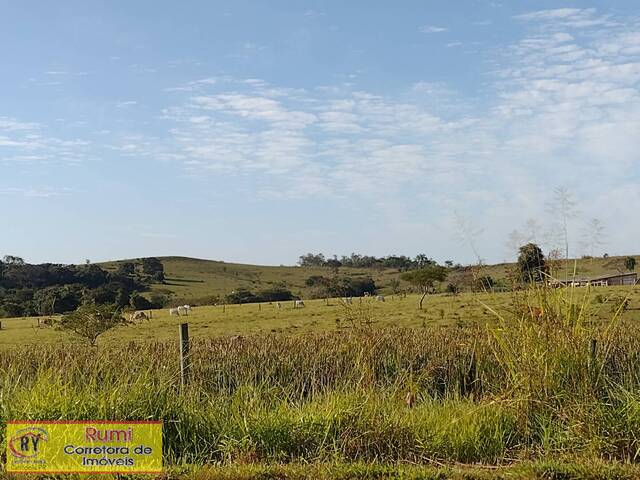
x=612 y=279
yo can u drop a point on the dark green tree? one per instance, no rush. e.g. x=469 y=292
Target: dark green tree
x=154 y=268
x=630 y=263
x=422 y=261
x=126 y=268
x=531 y=263
x=57 y=299
x=138 y=302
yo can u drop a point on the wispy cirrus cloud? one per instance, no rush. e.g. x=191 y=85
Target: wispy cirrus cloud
x=563 y=104
x=558 y=104
x=568 y=18
x=28 y=142
x=35 y=192
x=126 y=103
x=433 y=29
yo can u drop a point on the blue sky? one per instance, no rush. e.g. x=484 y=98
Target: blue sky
x=257 y=131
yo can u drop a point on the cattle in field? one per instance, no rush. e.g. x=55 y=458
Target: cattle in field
x=367 y=294
x=298 y=304
x=380 y=298
x=278 y=305
x=139 y=315
x=184 y=309
x=174 y=312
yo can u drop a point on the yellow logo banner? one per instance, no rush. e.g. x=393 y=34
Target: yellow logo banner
x=84 y=447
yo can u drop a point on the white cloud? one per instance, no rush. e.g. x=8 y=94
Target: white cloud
x=35 y=192
x=314 y=14
x=566 y=105
x=27 y=142
x=433 y=29
x=568 y=17
x=126 y=103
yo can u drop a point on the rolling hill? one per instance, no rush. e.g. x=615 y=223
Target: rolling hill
x=195 y=279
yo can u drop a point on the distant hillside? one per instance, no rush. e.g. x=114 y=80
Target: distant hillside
x=192 y=278
x=196 y=278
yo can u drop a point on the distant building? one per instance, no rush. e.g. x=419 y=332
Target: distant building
x=600 y=281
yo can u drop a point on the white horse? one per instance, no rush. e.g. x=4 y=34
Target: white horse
x=184 y=309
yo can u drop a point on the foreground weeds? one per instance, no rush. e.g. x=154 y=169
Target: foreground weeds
x=574 y=469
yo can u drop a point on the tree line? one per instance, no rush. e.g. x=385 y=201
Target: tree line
x=46 y=289
x=355 y=260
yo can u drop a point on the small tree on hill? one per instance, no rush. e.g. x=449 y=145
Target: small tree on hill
x=425 y=279
x=531 y=263
x=90 y=321
x=630 y=263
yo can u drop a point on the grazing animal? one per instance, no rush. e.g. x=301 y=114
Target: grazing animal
x=299 y=304
x=367 y=294
x=139 y=315
x=278 y=305
x=380 y=298
x=184 y=309
x=174 y=312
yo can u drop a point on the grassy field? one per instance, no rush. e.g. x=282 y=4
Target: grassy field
x=190 y=278
x=526 y=394
x=504 y=385
x=320 y=316
x=565 y=469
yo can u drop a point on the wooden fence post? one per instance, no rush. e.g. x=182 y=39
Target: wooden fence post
x=0 y=325
x=185 y=361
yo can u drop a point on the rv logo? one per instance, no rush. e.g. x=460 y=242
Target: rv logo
x=28 y=442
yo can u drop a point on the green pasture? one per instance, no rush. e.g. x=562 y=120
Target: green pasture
x=317 y=316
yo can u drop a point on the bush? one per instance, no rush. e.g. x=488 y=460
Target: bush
x=138 y=302
x=483 y=283
x=90 y=321
x=452 y=289
x=243 y=295
x=158 y=300
x=340 y=287
x=275 y=295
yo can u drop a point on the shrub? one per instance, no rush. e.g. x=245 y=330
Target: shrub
x=90 y=321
